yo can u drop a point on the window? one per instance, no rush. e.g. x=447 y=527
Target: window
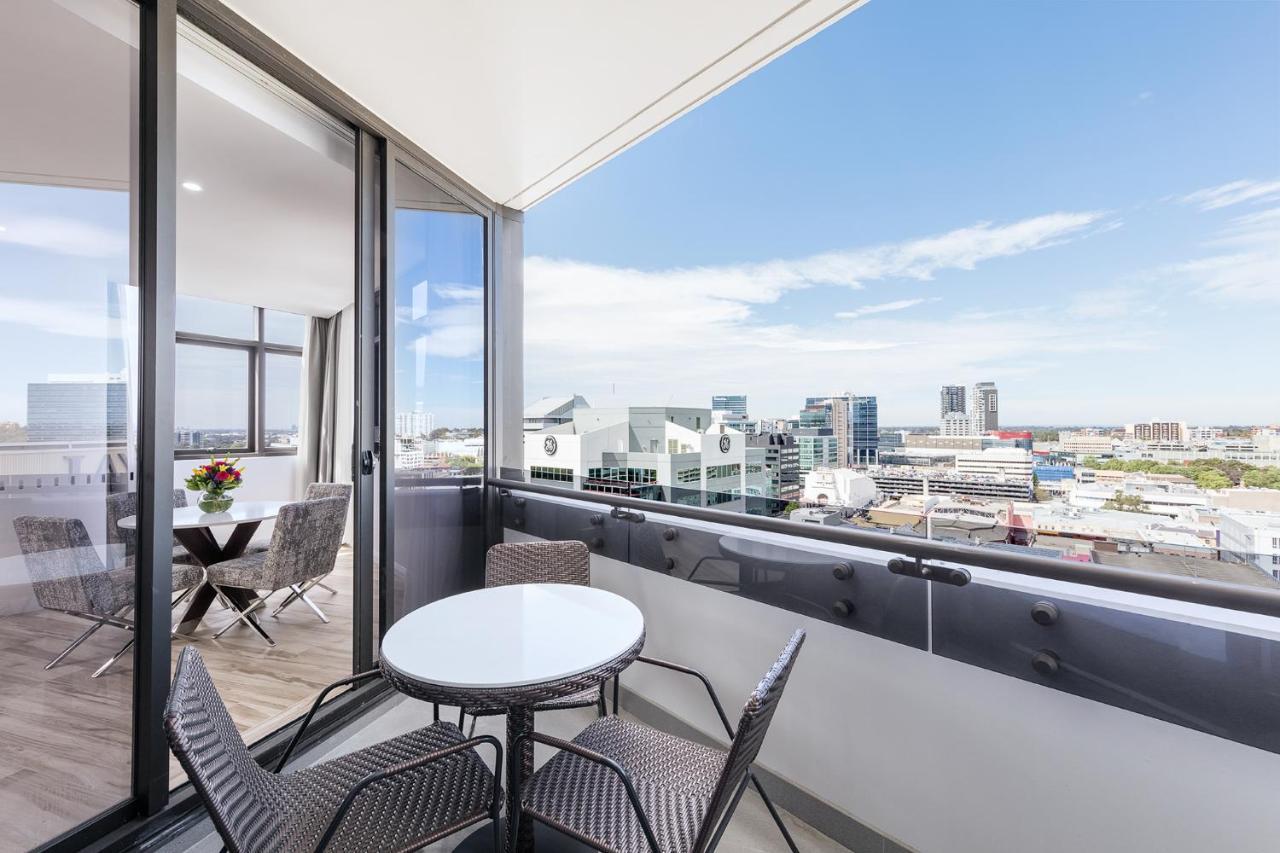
x=688 y=475
x=238 y=378
x=718 y=471
x=544 y=472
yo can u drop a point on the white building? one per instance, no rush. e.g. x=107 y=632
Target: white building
x=956 y=424
x=415 y=423
x=1010 y=463
x=1173 y=500
x=658 y=452
x=1252 y=536
x=838 y=487
x=1086 y=444
x=550 y=411
x=1163 y=432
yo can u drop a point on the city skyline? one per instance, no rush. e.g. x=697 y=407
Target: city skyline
x=896 y=225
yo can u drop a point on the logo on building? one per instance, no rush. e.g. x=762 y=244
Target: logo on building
x=725 y=444
x=549 y=445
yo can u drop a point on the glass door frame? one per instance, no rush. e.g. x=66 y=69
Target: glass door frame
x=152 y=811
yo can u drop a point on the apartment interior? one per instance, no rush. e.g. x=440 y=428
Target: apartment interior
x=348 y=193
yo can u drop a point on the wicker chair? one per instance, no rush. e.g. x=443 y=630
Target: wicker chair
x=316 y=491
x=396 y=795
x=539 y=562
x=621 y=786
x=68 y=576
x=306 y=539
x=122 y=544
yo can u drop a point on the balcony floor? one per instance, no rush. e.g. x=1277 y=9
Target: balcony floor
x=750 y=832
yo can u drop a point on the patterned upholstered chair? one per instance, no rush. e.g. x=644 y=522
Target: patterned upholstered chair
x=304 y=543
x=400 y=794
x=315 y=491
x=68 y=576
x=625 y=787
x=122 y=544
x=539 y=562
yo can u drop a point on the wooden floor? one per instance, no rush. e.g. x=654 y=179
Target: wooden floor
x=65 y=737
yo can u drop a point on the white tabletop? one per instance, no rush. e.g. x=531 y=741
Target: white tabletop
x=241 y=512
x=512 y=636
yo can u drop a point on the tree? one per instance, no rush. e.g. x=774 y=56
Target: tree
x=1126 y=503
x=1262 y=478
x=1210 y=479
x=438 y=433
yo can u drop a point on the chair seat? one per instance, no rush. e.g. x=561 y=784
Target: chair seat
x=400 y=813
x=674 y=778
x=244 y=571
x=123 y=581
x=587 y=698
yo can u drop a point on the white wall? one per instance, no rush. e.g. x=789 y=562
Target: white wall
x=945 y=757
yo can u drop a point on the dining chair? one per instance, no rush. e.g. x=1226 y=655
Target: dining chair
x=122 y=543
x=566 y=562
x=400 y=794
x=315 y=491
x=68 y=576
x=307 y=535
x=626 y=787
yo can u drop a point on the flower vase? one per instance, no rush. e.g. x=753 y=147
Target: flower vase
x=211 y=502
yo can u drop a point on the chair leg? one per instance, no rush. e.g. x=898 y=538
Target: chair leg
x=472 y=733
x=113 y=659
x=773 y=812
x=299 y=592
x=75 y=643
x=326 y=588
x=306 y=599
x=246 y=616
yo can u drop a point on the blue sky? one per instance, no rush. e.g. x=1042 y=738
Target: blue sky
x=1077 y=200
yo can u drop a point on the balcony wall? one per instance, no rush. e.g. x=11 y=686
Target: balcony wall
x=941 y=755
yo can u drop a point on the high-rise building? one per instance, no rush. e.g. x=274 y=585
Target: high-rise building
x=733 y=403
x=415 y=423
x=93 y=409
x=864 y=430
x=985 y=412
x=832 y=413
x=819 y=448
x=952 y=400
x=781 y=464
x=1163 y=432
x=956 y=423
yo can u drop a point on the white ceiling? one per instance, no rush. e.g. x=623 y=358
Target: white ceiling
x=519 y=97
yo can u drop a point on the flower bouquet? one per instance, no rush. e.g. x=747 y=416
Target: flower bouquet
x=214 y=480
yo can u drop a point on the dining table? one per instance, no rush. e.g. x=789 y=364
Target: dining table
x=513 y=647
x=193 y=528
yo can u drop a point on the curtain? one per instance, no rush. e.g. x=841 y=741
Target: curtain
x=317 y=462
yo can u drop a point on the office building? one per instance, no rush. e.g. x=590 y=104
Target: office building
x=550 y=411
x=864 y=430
x=735 y=404
x=817 y=448
x=781 y=464
x=831 y=413
x=956 y=424
x=951 y=400
x=985 y=408
x=415 y=423
x=74 y=409
x=1010 y=463
x=1252 y=537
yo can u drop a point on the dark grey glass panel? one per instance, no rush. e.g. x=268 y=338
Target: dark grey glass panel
x=1221 y=682
x=596 y=528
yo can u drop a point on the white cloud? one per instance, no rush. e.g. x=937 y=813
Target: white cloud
x=1235 y=192
x=621 y=335
x=76 y=319
x=884 y=307
x=1247 y=269
x=66 y=236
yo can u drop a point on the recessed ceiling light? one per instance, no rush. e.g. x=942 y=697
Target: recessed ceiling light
x=192 y=186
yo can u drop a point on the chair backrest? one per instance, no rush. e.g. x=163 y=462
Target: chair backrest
x=305 y=541
x=537 y=562
x=124 y=504
x=316 y=491
x=66 y=571
x=757 y=713
x=246 y=802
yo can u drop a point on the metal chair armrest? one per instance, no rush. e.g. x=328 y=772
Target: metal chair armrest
x=416 y=764
x=598 y=758
x=706 y=682
x=315 y=706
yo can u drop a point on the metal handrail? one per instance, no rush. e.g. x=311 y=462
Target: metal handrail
x=1213 y=593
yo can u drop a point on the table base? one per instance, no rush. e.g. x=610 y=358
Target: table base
x=545 y=839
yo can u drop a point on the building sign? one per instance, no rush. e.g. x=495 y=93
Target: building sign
x=549 y=445
x=725 y=444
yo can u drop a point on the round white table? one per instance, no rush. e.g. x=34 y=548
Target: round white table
x=512 y=646
x=191 y=527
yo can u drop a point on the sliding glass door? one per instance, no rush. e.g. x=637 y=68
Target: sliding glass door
x=435 y=363
x=69 y=325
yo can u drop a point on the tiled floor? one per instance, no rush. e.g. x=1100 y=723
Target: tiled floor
x=750 y=832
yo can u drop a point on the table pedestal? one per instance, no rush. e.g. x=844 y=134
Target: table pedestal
x=519 y=770
x=201 y=544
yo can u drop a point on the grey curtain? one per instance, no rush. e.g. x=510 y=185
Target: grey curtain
x=317 y=462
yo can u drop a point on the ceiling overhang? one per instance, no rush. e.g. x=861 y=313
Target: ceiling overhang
x=519 y=99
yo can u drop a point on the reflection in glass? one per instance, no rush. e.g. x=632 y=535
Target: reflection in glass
x=439 y=442
x=68 y=433
x=283 y=379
